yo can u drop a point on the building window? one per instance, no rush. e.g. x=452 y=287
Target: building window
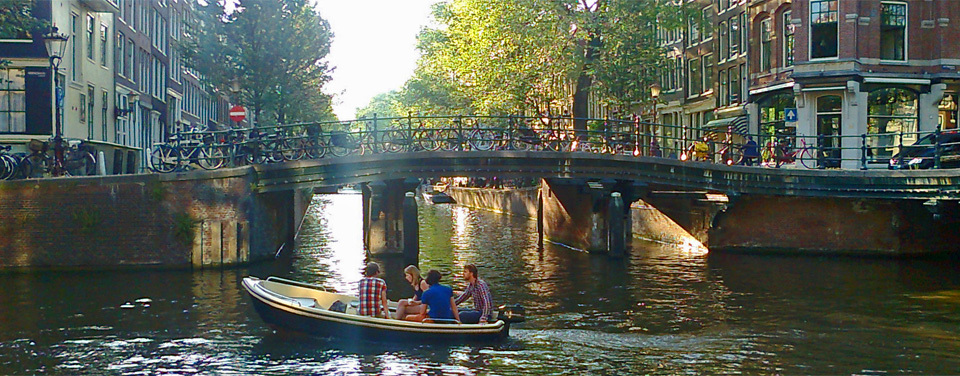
x=13 y=109
x=788 y=41
x=694 y=26
x=678 y=73
x=766 y=44
x=724 y=99
x=734 y=36
x=694 y=76
x=891 y=114
x=91 y=29
x=128 y=67
x=91 y=92
x=104 y=99
x=119 y=55
x=734 y=74
x=104 y=32
x=723 y=41
x=829 y=115
x=893 y=31
x=705 y=20
x=74 y=48
x=744 y=37
x=83 y=104
x=772 y=121
x=823 y=29
x=707 y=72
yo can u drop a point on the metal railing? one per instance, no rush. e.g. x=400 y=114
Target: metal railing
x=237 y=147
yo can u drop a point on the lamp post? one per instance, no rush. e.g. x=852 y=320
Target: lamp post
x=655 y=96
x=55 y=43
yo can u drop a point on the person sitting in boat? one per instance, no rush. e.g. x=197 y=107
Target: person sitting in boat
x=373 y=293
x=482 y=299
x=414 y=305
x=439 y=301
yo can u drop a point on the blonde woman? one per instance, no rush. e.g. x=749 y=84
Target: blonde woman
x=412 y=306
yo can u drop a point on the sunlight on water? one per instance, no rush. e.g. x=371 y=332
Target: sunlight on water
x=664 y=310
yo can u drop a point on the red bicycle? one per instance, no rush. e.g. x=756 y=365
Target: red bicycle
x=775 y=155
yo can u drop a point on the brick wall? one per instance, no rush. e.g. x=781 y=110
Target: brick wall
x=163 y=220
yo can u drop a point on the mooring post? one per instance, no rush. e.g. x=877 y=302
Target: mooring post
x=411 y=230
x=615 y=240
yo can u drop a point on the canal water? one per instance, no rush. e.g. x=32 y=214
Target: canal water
x=665 y=310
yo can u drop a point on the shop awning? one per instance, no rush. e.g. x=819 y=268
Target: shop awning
x=740 y=125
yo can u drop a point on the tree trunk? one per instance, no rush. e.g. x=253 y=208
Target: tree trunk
x=581 y=96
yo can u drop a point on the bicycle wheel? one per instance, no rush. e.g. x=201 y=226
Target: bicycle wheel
x=427 y=139
x=164 y=159
x=34 y=166
x=316 y=149
x=448 y=139
x=9 y=165
x=211 y=158
x=81 y=163
x=806 y=158
x=482 y=139
x=394 y=141
x=290 y=150
x=341 y=144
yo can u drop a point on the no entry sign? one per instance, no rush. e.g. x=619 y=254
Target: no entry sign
x=238 y=113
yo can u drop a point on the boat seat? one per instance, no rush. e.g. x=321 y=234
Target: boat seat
x=305 y=302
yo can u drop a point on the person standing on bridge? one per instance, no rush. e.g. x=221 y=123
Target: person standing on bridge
x=482 y=299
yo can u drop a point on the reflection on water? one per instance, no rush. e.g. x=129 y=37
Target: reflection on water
x=664 y=310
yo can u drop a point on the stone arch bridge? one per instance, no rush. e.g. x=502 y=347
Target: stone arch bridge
x=242 y=214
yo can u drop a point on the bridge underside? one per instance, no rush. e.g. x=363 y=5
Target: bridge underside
x=724 y=207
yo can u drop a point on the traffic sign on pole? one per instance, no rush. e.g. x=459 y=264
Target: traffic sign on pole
x=790 y=115
x=238 y=113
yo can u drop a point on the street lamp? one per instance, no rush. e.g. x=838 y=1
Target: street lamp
x=56 y=43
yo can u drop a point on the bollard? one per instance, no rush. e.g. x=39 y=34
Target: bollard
x=411 y=231
x=615 y=239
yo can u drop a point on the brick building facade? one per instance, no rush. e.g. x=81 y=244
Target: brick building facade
x=858 y=72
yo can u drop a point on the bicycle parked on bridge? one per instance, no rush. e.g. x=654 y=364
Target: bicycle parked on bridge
x=78 y=159
x=8 y=163
x=194 y=147
x=780 y=152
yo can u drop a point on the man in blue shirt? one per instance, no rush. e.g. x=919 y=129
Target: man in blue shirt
x=439 y=299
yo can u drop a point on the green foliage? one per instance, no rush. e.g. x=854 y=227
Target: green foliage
x=88 y=219
x=184 y=228
x=538 y=56
x=382 y=105
x=156 y=190
x=17 y=21
x=273 y=49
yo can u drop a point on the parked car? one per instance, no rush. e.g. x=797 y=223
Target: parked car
x=922 y=154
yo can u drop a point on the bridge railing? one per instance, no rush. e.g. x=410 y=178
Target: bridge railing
x=212 y=149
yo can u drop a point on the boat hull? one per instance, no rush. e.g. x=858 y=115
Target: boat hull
x=281 y=315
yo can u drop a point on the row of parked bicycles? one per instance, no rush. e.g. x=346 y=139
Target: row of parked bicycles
x=211 y=150
x=79 y=160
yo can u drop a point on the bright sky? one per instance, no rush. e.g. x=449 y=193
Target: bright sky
x=374 y=47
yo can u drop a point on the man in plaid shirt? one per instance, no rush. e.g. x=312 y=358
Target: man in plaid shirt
x=482 y=299
x=373 y=293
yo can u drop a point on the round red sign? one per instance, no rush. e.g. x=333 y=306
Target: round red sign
x=238 y=113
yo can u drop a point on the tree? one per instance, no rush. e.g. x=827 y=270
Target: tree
x=273 y=50
x=17 y=20
x=383 y=105
x=542 y=57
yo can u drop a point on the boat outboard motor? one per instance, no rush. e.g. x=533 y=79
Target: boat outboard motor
x=511 y=314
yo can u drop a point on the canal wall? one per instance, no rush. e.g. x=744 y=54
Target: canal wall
x=170 y=220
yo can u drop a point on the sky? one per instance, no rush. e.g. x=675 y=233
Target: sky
x=374 y=47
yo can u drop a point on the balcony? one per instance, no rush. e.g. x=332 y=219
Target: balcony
x=100 y=6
